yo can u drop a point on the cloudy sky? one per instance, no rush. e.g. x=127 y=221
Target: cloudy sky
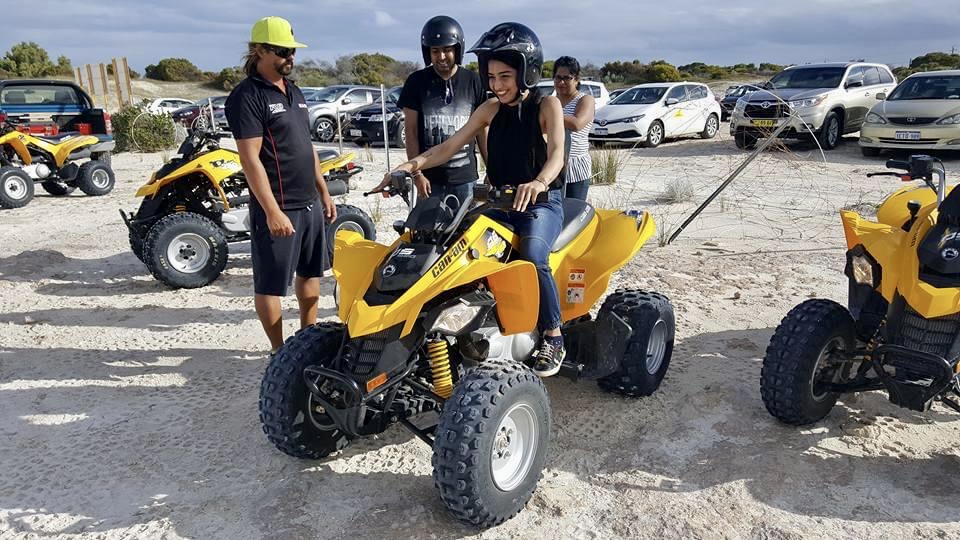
x=213 y=33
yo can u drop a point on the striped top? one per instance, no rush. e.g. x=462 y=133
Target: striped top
x=579 y=166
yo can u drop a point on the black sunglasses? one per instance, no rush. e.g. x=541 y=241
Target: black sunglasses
x=282 y=52
x=564 y=78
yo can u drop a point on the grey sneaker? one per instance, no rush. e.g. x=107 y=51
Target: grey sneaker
x=549 y=357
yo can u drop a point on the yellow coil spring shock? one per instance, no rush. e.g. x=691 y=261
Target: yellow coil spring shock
x=440 y=367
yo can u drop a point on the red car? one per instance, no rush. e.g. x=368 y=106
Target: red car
x=188 y=115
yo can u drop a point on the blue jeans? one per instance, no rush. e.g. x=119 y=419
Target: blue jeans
x=578 y=190
x=538 y=228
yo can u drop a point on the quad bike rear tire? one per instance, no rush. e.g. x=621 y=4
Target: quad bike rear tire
x=185 y=250
x=16 y=188
x=95 y=178
x=801 y=344
x=57 y=188
x=349 y=218
x=287 y=413
x=491 y=444
x=647 y=355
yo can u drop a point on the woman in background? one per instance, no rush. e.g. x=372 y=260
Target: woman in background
x=578 y=111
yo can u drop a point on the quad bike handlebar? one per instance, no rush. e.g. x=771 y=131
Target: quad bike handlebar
x=919 y=167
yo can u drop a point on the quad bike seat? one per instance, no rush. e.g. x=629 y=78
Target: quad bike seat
x=326 y=153
x=576 y=215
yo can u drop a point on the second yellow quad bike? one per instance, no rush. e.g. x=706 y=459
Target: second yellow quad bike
x=199 y=202
x=435 y=331
x=52 y=161
x=900 y=330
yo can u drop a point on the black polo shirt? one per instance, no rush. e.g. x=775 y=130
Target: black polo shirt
x=257 y=108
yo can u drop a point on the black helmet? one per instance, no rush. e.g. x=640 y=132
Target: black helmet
x=441 y=31
x=512 y=38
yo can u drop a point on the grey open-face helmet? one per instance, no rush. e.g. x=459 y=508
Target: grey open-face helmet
x=441 y=31
x=514 y=39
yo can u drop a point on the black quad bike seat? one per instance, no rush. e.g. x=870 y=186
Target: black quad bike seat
x=326 y=153
x=576 y=215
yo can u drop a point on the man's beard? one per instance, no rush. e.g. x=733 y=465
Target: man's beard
x=284 y=68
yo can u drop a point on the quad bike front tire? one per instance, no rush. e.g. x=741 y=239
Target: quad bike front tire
x=95 y=178
x=57 y=188
x=800 y=348
x=16 y=188
x=349 y=218
x=185 y=250
x=288 y=415
x=647 y=355
x=490 y=445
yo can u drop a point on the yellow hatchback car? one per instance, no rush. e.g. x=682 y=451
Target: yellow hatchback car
x=921 y=113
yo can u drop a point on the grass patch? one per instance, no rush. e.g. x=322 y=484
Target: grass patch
x=678 y=190
x=607 y=165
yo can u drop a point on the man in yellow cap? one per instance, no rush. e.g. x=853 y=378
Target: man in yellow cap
x=268 y=116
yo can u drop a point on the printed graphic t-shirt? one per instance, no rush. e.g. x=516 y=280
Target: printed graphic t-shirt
x=443 y=107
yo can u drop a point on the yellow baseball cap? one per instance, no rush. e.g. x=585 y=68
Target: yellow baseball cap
x=274 y=31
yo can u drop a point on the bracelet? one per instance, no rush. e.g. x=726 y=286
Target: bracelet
x=546 y=184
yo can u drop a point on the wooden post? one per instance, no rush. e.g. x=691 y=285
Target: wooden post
x=92 y=88
x=126 y=75
x=116 y=84
x=103 y=81
x=79 y=77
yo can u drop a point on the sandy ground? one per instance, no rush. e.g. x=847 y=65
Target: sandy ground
x=130 y=410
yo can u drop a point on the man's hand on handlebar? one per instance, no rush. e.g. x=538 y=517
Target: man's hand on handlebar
x=527 y=194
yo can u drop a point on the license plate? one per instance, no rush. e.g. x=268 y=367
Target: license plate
x=600 y=131
x=764 y=123
x=907 y=135
x=356 y=133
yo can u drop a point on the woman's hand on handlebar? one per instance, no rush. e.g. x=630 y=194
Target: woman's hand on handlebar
x=406 y=167
x=527 y=194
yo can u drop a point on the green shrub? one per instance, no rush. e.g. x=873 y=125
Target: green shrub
x=174 y=70
x=134 y=129
x=606 y=165
x=228 y=78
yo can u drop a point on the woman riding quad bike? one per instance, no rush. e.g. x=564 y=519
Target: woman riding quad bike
x=438 y=327
x=900 y=330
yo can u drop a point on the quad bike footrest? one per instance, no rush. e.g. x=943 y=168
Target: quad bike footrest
x=913 y=378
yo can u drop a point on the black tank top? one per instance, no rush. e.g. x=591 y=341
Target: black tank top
x=516 y=151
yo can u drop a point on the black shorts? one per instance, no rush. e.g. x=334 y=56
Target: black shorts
x=275 y=259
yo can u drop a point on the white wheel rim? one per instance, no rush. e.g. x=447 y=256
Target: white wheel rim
x=712 y=126
x=656 y=347
x=655 y=134
x=100 y=178
x=188 y=253
x=515 y=443
x=15 y=188
x=325 y=130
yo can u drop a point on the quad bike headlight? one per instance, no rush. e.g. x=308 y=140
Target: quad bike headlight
x=456 y=318
x=862 y=268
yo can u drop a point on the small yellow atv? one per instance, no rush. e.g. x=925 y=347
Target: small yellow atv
x=52 y=161
x=434 y=335
x=900 y=330
x=197 y=203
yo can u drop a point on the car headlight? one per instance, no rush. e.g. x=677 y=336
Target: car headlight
x=376 y=118
x=805 y=103
x=456 y=318
x=631 y=119
x=874 y=118
x=949 y=120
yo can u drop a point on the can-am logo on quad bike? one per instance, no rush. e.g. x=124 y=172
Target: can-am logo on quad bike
x=227 y=164
x=443 y=263
x=950 y=254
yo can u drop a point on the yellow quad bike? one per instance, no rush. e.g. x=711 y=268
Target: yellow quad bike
x=197 y=203
x=901 y=329
x=435 y=332
x=52 y=161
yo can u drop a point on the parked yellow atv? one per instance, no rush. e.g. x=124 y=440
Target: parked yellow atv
x=901 y=331
x=434 y=335
x=197 y=203
x=52 y=161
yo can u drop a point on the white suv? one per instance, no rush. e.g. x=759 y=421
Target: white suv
x=342 y=99
x=649 y=113
x=595 y=88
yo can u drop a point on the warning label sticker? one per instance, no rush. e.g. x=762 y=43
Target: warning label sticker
x=576 y=275
x=575 y=294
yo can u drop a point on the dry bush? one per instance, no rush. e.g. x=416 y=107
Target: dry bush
x=607 y=164
x=678 y=190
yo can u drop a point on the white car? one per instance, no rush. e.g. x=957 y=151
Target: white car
x=649 y=113
x=595 y=88
x=167 y=105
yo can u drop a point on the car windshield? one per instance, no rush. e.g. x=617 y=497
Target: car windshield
x=640 y=96
x=820 y=77
x=928 y=87
x=38 y=95
x=329 y=95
